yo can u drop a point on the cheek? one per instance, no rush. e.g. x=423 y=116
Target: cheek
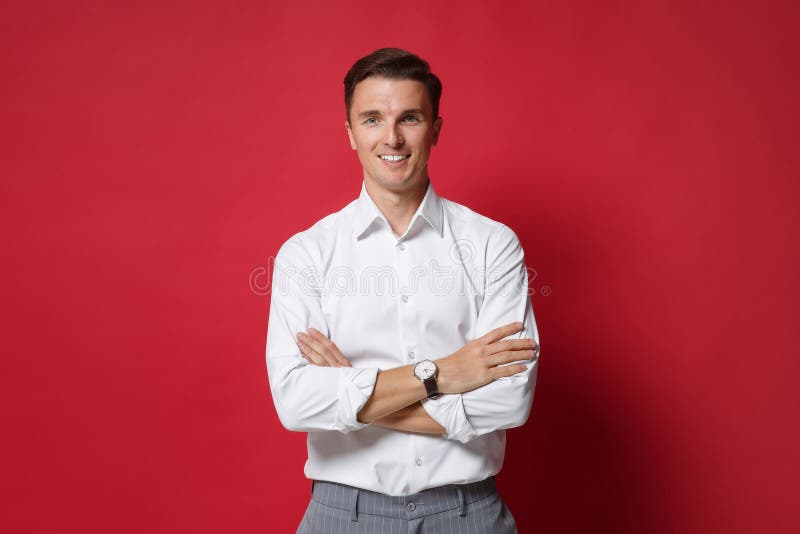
x=363 y=150
x=365 y=155
x=364 y=144
x=423 y=141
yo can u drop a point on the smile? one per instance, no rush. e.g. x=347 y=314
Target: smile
x=394 y=157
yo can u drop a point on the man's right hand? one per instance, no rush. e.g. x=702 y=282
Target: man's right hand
x=481 y=360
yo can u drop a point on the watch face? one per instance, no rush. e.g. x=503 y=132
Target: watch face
x=425 y=369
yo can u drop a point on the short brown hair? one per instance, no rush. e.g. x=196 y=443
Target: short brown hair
x=396 y=64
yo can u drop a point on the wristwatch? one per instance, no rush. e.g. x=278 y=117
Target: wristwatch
x=427 y=371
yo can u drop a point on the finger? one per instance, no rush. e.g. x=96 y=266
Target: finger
x=509 y=356
x=332 y=349
x=506 y=370
x=339 y=356
x=328 y=349
x=318 y=347
x=310 y=354
x=499 y=333
x=511 y=344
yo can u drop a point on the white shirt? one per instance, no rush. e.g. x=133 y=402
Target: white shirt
x=388 y=301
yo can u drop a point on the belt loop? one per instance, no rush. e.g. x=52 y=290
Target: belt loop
x=354 y=515
x=461 y=501
x=312 y=487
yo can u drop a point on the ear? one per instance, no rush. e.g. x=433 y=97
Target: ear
x=437 y=128
x=350 y=134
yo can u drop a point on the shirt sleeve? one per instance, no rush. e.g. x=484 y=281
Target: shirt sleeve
x=307 y=397
x=505 y=402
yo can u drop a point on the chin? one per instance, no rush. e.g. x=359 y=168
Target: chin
x=395 y=182
x=397 y=185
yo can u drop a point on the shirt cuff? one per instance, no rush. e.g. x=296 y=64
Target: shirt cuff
x=355 y=388
x=448 y=410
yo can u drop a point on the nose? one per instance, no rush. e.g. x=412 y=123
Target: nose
x=393 y=137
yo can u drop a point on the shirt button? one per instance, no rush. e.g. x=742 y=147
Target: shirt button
x=404 y=298
x=411 y=354
x=411 y=507
x=401 y=246
x=419 y=460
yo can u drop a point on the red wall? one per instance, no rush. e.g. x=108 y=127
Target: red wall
x=154 y=155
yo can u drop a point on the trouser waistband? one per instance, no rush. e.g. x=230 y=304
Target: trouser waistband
x=426 y=502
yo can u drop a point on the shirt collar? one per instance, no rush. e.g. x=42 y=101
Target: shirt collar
x=430 y=209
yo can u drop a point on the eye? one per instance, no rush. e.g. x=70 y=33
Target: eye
x=411 y=118
x=370 y=120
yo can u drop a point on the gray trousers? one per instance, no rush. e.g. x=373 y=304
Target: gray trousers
x=475 y=508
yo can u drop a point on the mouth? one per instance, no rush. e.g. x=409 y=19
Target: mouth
x=394 y=160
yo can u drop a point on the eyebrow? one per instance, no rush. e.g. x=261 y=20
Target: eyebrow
x=375 y=112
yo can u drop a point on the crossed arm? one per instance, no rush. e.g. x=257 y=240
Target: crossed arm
x=319 y=350
x=394 y=402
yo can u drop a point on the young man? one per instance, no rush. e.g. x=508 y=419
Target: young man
x=396 y=329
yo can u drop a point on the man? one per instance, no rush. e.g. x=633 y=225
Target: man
x=395 y=331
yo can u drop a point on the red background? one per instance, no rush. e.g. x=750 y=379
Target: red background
x=156 y=154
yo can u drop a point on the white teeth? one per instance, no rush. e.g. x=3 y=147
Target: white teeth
x=392 y=158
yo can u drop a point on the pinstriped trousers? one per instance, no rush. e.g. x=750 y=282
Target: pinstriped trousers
x=475 y=508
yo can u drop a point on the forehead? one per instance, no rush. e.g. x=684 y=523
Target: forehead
x=389 y=96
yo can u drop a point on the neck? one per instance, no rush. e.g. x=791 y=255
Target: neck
x=397 y=206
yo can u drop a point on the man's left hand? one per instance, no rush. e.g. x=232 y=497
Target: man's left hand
x=320 y=350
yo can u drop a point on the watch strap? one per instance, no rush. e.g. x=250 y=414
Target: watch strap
x=431 y=387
